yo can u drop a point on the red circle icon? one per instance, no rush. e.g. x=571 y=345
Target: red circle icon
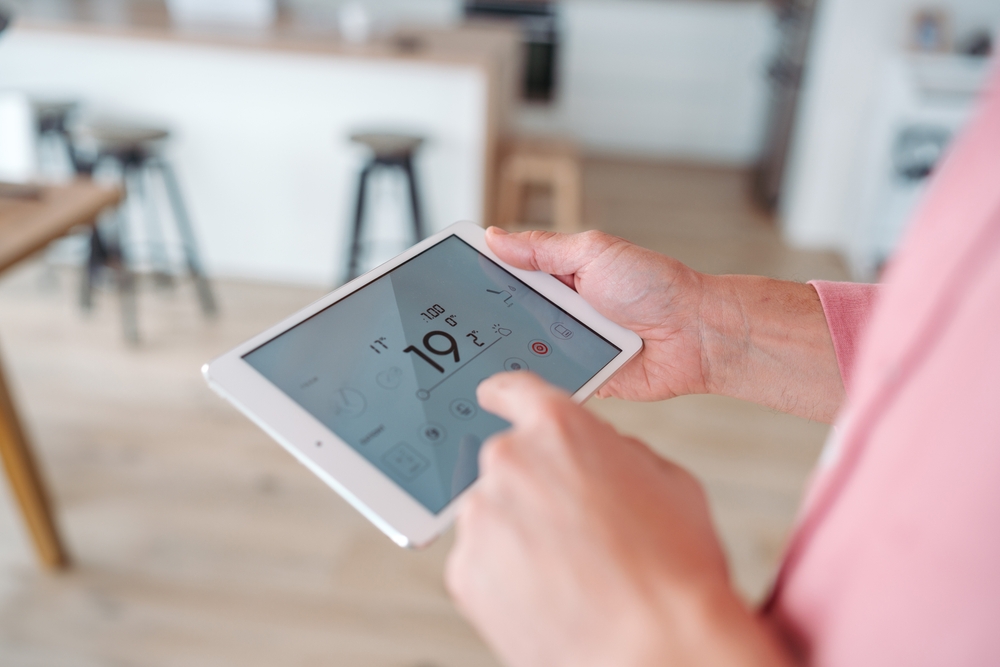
x=539 y=347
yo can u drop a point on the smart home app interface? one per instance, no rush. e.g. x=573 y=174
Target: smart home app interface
x=393 y=368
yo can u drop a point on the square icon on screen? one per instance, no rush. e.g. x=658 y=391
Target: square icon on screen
x=405 y=461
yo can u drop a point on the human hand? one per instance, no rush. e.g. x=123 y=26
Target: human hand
x=579 y=546
x=751 y=337
x=653 y=295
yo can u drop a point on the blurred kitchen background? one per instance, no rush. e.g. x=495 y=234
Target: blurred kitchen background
x=175 y=176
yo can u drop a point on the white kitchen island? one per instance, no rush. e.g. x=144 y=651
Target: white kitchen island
x=262 y=120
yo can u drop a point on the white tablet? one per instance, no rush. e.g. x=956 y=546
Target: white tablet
x=373 y=387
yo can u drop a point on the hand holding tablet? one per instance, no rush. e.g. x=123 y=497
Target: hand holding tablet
x=373 y=386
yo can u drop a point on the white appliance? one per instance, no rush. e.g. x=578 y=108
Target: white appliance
x=924 y=101
x=17 y=138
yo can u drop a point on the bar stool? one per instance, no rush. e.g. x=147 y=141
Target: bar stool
x=136 y=150
x=388 y=151
x=549 y=163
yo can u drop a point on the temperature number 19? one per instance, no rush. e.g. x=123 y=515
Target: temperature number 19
x=451 y=349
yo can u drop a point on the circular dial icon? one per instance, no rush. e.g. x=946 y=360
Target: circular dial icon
x=515 y=364
x=540 y=348
x=433 y=433
x=348 y=402
x=463 y=408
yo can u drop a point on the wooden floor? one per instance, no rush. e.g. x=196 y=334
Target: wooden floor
x=198 y=541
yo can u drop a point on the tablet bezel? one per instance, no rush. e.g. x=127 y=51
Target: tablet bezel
x=365 y=487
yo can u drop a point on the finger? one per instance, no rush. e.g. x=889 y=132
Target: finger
x=472 y=533
x=521 y=397
x=558 y=254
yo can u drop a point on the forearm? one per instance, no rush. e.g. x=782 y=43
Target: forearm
x=704 y=628
x=767 y=341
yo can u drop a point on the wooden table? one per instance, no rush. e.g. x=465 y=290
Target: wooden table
x=27 y=226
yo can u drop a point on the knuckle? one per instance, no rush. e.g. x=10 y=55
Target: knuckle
x=599 y=240
x=497 y=454
x=595 y=236
x=561 y=421
x=556 y=410
x=550 y=404
x=540 y=235
x=541 y=252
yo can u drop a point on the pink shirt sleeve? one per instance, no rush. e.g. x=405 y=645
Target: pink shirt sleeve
x=847 y=307
x=894 y=560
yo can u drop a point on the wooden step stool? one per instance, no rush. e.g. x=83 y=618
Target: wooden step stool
x=550 y=163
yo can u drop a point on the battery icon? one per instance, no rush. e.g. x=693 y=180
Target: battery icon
x=559 y=330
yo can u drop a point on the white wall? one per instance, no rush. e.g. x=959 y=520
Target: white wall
x=673 y=79
x=669 y=79
x=261 y=137
x=854 y=41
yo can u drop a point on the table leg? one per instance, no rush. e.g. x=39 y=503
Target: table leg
x=26 y=484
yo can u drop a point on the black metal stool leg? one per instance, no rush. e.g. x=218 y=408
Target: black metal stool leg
x=186 y=231
x=118 y=260
x=71 y=156
x=97 y=258
x=411 y=179
x=359 y=220
x=138 y=183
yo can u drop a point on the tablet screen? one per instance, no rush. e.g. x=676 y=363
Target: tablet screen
x=392 y=368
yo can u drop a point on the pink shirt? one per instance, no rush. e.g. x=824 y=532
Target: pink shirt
x=896 y=557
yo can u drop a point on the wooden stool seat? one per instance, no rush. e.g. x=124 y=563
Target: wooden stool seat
x=386 y=145
x=118 y=139
x=550 y=163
